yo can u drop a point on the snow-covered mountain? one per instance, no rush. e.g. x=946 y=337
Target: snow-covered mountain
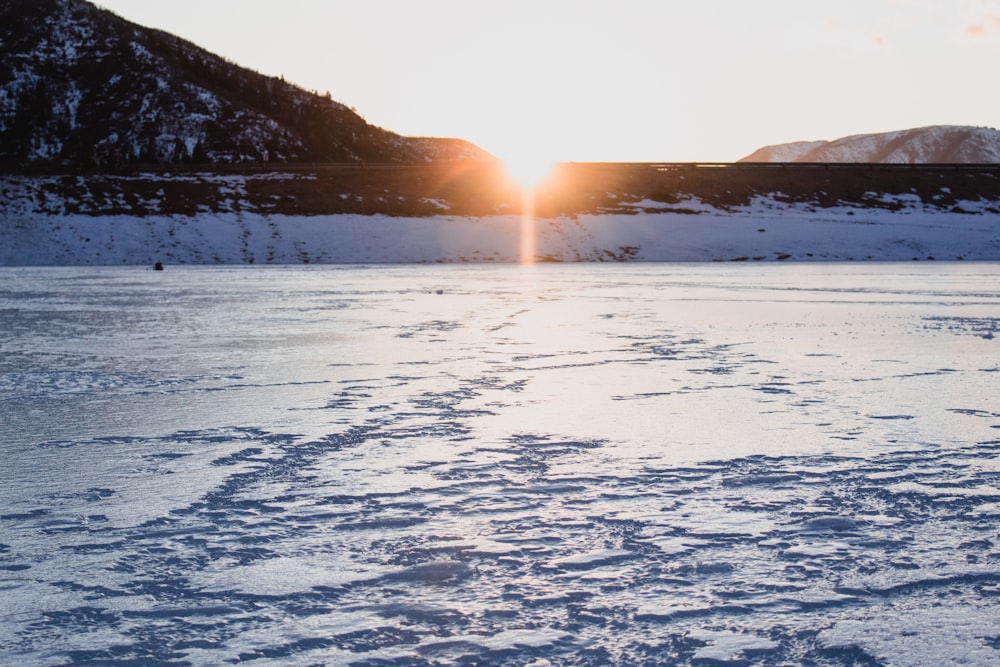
x=82 y=87
x=938 y=144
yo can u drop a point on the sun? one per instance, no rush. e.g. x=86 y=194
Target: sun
x=528 y=169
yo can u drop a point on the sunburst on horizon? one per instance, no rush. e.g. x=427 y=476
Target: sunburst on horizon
x=528 y=170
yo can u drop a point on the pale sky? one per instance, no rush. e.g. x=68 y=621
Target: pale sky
x=621 y=80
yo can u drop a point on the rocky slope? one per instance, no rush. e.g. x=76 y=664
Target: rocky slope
x=82 y=88
x=938 y=144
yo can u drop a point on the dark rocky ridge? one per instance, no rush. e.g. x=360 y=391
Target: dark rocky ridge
x=482 y=189
x=83 y=89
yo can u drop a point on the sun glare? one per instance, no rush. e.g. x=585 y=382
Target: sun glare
x=528 y=171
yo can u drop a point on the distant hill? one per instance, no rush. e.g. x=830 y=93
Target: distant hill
x=81 y=87
x=938 y=144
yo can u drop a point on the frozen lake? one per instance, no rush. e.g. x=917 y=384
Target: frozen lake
x=437 y=465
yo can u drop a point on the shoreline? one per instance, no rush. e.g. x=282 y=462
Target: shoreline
x=762 y=235
x=469 y=213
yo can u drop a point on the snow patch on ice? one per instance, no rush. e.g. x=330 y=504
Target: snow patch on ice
x=725 y=647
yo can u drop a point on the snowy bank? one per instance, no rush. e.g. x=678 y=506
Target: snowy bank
x=451 y=214
x=691 y=232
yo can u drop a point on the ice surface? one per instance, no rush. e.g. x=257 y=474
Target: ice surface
x=428 y=465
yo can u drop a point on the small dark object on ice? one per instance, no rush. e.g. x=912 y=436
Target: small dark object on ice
x=158 y=266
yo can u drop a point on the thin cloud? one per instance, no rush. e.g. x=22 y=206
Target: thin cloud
x=878 y=41
x=988 y=25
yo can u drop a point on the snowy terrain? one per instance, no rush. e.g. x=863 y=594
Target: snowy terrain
x=442 y=465
x=939 y=144
x=36 y=229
